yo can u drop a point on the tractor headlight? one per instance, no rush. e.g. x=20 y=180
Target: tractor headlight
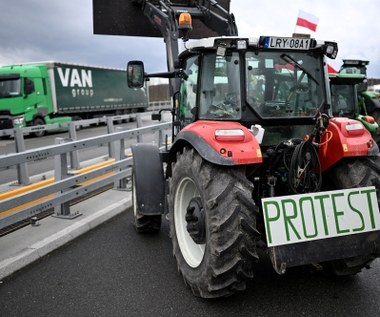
x=331 y=49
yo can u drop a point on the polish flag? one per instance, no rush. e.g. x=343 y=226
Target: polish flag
x=307 y=20
x=331 y=69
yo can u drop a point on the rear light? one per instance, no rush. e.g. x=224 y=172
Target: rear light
x=228 y=135
x=355 y=128
x=369 y=119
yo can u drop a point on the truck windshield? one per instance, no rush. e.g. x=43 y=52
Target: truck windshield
x=220 y=87
x=282 y=85
x=10 y=88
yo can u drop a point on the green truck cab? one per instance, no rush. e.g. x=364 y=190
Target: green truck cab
x=50 y=92
x=25 y=96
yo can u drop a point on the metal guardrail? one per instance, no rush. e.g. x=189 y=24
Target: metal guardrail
x=68 y=184
x=153 y=106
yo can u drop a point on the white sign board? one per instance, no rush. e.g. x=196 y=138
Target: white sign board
x=299 y=218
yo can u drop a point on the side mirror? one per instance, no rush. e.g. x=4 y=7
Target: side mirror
x=135 y=74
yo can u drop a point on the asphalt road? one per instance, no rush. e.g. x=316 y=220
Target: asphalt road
x=113 y=271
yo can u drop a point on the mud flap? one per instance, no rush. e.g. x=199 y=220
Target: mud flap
x=149 y=181
x=317 y=251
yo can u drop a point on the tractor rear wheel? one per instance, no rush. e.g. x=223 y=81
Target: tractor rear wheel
x=212 y=225
x=350 y=173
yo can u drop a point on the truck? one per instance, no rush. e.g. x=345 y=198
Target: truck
x=257 y=160
x=36 y=94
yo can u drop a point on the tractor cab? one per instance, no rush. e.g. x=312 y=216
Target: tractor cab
x=278 y=83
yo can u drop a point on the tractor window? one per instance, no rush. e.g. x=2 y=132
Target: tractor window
x=343 y=98
x=283 y=85
x=220 y=87
x=188 y=90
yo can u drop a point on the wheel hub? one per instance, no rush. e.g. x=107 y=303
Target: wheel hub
x=195 y=218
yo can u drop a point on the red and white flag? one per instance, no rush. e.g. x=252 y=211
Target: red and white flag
x=307 y=20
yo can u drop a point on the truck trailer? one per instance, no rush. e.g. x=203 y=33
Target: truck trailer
x=51 y=92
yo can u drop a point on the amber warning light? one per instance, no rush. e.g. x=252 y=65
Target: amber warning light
x=185 y=21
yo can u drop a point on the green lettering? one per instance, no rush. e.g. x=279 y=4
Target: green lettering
x=310 y=200
x=338 y=213
x=323 y=210
x=356 y=211
x=370 y=207
x=269 y=219
x=288 y=219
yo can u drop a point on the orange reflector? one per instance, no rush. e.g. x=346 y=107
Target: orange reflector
x=185 y=20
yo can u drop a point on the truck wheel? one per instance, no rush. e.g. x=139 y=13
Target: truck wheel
x=77 y=118
x=144 y=223
x=36 y=122
x=349 y=173
x=212 y=225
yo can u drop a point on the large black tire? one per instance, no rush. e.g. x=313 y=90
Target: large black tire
x=351 y=173
x=144 y=223
x=220 y=264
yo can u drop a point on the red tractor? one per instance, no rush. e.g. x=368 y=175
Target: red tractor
x=257 y=161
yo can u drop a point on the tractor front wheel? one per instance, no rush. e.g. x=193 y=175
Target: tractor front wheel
x=212 y=225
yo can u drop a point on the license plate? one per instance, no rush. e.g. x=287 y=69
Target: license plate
x=287 y=43
x=300 y=218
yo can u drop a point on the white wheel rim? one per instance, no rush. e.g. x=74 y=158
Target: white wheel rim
x=192 y=253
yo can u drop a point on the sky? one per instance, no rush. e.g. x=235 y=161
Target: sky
x=53 y=30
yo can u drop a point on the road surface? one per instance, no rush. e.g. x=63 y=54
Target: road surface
x=113 y=271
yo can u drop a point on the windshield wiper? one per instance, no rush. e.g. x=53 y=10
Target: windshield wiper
x=287 y=58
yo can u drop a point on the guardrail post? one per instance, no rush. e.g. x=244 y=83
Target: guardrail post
x=160 y=138
x=139 y=125
x=61 y=172
x=22 y=169
x=111 y=145
x=74 y=157
x=122 y=183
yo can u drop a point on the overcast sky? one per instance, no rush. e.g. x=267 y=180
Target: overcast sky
x=37 y=30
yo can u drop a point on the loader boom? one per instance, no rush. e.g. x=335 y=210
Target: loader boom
x=164 y=14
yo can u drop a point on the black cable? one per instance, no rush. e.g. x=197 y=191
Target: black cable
x=304 y=165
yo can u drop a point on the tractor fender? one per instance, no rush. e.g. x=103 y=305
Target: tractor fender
x=345 y=137
x=201 y=146
x=229 y=152
x=148 y=178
